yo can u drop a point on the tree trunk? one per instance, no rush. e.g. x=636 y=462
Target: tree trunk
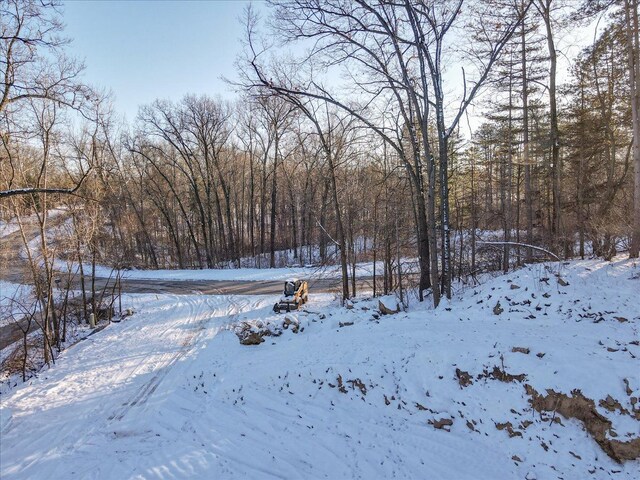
x=633 y=49
x=528 y=200
x=274 y=186
x=553 y=112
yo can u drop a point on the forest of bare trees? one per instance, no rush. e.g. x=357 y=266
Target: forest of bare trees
x=360 y=148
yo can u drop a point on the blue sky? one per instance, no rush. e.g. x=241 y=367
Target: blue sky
x=144 y=50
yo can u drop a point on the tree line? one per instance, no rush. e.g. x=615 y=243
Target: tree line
x=351 y=151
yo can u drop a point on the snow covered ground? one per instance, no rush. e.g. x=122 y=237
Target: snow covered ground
x=7 y=227
x=251 y=274
x=10 y=290
x=307 y=254
x=171 y=393
x=230 y=274
x=14 y=297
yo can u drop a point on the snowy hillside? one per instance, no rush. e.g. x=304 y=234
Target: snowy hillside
x=532 y=375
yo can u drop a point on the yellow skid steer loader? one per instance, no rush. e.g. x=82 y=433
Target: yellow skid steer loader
x=296 y=293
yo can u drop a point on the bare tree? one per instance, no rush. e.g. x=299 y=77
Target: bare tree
x=398 y=48
x=545 y=9
x=633 y=55
x=34 y=66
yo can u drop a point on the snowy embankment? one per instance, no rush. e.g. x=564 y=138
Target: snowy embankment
x=459 y=392
x=7 y=227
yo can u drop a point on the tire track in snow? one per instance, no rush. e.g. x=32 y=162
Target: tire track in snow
x=200 y=310
x=199 y=320
x=121 y=374
x=192 y=317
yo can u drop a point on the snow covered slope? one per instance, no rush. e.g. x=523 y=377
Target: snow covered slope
x=171 y=393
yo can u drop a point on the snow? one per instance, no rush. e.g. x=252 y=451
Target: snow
x=7 y=227
x=171 y=393
x=10 y=290
x=230 y=274
x=307 y=254
x=13 y=298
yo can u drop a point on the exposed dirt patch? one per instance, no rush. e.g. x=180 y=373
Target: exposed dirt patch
x=442 y=424
x=509 y=428
x=357 y=383
x=635 y=405
x=611 y=404
x=584 y=409
x=627 y=388
x=464 y=379
x=354 y=384
x=340 y=384
x=500 y=374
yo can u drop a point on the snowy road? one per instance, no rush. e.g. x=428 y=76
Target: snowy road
x=83 y=406
x=12 y=332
